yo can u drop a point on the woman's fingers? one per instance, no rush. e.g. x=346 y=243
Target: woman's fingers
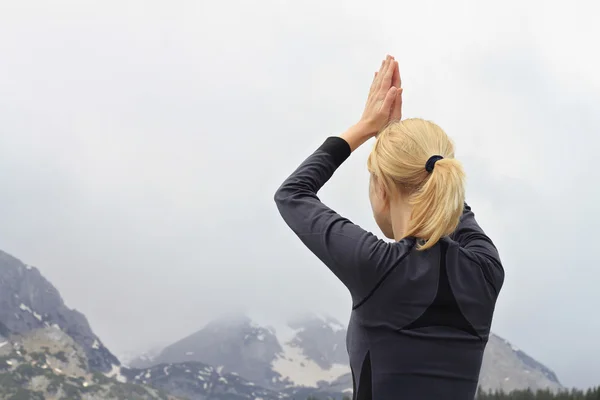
x=378 y=76
x=384 y=64
x=374 y=84
x=386 y=80
x=390 y=96
x=396 y=113
x=396 y=81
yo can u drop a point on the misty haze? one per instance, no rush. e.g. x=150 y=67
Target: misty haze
x=142 y=142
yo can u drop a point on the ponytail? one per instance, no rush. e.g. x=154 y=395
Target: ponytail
x=438 y=204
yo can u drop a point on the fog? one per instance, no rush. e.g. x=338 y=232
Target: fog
x=141 y=143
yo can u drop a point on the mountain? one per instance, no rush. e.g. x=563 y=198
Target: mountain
x=508 y=368
x=310 y=352
x=47 y=364
x=239 y=357
x=49 y=351
x=28 y=302
x=231 y=345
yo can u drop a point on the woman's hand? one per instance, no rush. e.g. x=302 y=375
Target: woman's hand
x=396 y=114
x=384 y=104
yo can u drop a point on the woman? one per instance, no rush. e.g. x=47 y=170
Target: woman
x=423 y=304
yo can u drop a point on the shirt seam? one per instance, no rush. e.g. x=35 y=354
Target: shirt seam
x=383 y=278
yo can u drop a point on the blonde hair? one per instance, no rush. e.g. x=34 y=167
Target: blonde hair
x=398 y=162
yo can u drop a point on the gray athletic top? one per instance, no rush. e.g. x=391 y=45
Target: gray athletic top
x=420 y=319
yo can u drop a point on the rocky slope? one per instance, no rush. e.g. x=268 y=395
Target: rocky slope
x=28 y=301
x=47 y=364
x=508 y=368
x=310 y=352
x=197 y=381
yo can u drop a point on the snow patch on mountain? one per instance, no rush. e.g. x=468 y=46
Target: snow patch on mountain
x=115 y=373
x=301 y=362
x=293 y=364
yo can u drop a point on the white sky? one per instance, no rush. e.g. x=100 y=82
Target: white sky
x=141 y=143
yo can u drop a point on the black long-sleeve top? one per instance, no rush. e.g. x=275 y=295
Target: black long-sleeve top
x=420 y=320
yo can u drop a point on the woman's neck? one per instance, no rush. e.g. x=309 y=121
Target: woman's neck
x=400 y=212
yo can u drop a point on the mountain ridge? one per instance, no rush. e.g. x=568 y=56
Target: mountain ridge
x=311 y=352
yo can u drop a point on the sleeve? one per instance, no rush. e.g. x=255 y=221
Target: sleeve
x=480 y=248
x=355 y=256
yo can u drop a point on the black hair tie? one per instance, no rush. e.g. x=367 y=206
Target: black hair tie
x=431 y=163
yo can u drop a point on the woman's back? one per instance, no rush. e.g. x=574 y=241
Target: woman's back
x=423 y=330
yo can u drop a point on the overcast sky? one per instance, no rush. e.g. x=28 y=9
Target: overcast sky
x=141 y=143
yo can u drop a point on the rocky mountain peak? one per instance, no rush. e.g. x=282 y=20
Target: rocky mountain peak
x=507 y=367
x=233 y=343
x=29 y=302
x=239 y=326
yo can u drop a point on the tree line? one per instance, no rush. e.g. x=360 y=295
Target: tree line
x=573 y=394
